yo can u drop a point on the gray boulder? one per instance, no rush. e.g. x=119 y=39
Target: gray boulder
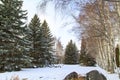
x=95 y=75
x=71 y=76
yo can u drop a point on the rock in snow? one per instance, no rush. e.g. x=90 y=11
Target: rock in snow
x=71 y=76
x=95 y=75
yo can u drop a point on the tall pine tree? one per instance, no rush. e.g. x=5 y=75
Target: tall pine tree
x=33 y=37
x=47 y=45
x=11 y=31
x=71 y=53
x=40 y=43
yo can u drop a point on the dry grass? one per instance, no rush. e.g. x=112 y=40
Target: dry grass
x=81 y=78
x=16 y=77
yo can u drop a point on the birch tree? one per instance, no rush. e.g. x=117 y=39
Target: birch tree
x=101 y=18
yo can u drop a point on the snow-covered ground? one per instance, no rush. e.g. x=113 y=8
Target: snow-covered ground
x=53 y=73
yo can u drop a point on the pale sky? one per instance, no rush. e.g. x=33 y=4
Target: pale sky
x=55 y=22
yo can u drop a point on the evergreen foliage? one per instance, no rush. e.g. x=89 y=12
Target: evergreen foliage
x=82 y=52
x=33 y=37
x=71 y=53
x=86 y=59
x=40 y=43
x=47 y=45
x=11 y=30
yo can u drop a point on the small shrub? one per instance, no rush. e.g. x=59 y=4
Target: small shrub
x=87 y=60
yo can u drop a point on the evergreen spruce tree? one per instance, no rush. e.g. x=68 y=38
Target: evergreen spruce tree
x=47 y=45
x=11 y=30
x=85 y=58
x=82 y=59
x=33 y=37
x=71 y=53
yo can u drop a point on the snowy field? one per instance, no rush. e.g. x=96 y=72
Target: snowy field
x=53 y=73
